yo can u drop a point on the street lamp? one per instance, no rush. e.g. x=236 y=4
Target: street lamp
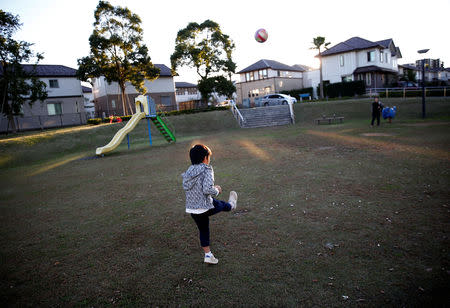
x=423 y=81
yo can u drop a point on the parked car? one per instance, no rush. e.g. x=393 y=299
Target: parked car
x=277 y=99
x=407 y=84
x=225 y=103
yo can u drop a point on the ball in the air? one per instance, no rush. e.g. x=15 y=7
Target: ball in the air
x=261 y=35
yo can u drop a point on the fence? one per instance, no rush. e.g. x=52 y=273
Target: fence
x=43 y=121
x=408 y=92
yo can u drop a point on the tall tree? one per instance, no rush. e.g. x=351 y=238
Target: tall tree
x=17 y=83
x=218 y=84
x=117 y=51
x=318 y=42
x=204 y=47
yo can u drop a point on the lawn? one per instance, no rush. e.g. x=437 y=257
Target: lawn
x=329 y=215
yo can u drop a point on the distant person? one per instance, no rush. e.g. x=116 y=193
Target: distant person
x=377 y=106
x=198 y=182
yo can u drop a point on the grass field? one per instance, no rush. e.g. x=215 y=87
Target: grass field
x=328 y=216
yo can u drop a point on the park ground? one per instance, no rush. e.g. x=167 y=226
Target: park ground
x=332 y=215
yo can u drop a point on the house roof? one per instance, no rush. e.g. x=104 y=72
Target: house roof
x=51 y=70
x=86 y=89
x=275 y=65
x=182 y=84
x=164 y=70
x=373 y=68
x=303 y=67
x=357 y=43
x=409 y=66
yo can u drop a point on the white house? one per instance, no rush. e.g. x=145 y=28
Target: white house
x=64 y=105
x=89 y=106
x=185 y=92
x=107 y=97
x=361 y=59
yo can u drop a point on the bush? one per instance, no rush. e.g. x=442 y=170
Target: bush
x=340 y=89
x=95 y=121
x=296 y=92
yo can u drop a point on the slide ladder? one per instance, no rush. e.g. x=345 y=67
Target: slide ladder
x=163 y=129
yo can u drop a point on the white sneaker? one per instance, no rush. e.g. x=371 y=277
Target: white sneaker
x=233 y=199
x=211 y=259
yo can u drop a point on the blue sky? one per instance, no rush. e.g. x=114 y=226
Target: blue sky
x=61 y=28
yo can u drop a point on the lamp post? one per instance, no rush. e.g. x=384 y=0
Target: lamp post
x=422 y=51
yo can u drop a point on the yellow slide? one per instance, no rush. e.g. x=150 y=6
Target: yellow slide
x=118 y=137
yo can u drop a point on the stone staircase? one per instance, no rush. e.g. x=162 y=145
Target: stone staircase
x=265 y=116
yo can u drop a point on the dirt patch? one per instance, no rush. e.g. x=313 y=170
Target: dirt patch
x=424 y=124
x=376 y=135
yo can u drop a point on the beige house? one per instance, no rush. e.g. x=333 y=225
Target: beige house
x=266 y=77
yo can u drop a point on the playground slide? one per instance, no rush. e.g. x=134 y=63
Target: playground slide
x=118 y=137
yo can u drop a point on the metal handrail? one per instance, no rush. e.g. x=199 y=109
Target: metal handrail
x=235 y=110
x=291 y=110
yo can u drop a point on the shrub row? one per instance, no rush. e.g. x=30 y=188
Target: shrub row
x=296 y=92
x=97 y=121
x=340 y=89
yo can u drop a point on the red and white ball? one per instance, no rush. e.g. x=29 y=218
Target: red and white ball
x=261 y=35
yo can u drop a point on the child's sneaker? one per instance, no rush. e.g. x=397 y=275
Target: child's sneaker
x=233 y=200
x=209 y=258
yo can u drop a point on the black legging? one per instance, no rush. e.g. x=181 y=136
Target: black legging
x=377 y=116
x=202 y=220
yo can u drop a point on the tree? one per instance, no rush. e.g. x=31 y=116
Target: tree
x=18 y=84
x=218 y=84
x=318 y=42
x=117 y=51
x=204 y=47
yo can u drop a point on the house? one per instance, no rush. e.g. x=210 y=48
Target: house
x=89 y=106
x=267 y=76
x=434 y=70
x=361 y=59
x=64 y=105
x=406 y=71
x=107 y=96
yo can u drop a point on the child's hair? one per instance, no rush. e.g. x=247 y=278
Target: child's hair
x=198 y=153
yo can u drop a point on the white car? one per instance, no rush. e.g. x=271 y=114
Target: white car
x=225 y=103
x=277 y=99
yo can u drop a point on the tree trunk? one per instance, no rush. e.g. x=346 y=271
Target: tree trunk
x=12 y=124
x=122 y=92
x=321 y=78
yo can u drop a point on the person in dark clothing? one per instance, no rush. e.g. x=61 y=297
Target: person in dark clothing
x=377 y=106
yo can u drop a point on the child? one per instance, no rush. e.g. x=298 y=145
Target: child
x=376 y=111
x=198 y=182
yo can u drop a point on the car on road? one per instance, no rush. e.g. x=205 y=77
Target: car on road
x=277 y=99
x=225 y=103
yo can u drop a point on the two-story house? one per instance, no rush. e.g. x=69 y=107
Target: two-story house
x=361 y=59
x=64 y=105
x=265 y=77
x=107 y=96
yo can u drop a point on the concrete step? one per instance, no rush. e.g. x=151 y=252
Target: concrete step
x=266 y=116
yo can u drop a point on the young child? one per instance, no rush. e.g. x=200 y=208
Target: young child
x=198 y=182
x=377 y=106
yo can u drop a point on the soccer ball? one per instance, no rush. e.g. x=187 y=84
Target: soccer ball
x=261 y=35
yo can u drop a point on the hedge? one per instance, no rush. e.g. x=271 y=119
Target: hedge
x=97 y=121
x=340 y=89
x=296 y=92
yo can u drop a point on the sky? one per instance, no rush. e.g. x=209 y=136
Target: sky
x=61 y=28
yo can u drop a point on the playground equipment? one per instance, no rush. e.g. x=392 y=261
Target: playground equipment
x=389 y=113
x=145 y=108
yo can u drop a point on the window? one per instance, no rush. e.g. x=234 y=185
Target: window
x=381 y=56
x=371 y=56
x=166 y=100
x=368 y=79
x=263 y=74
x=53 y=83
x=54 y=108
x=341 y=60
x=278 y=73
x=386 y=57
x=113 y=104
